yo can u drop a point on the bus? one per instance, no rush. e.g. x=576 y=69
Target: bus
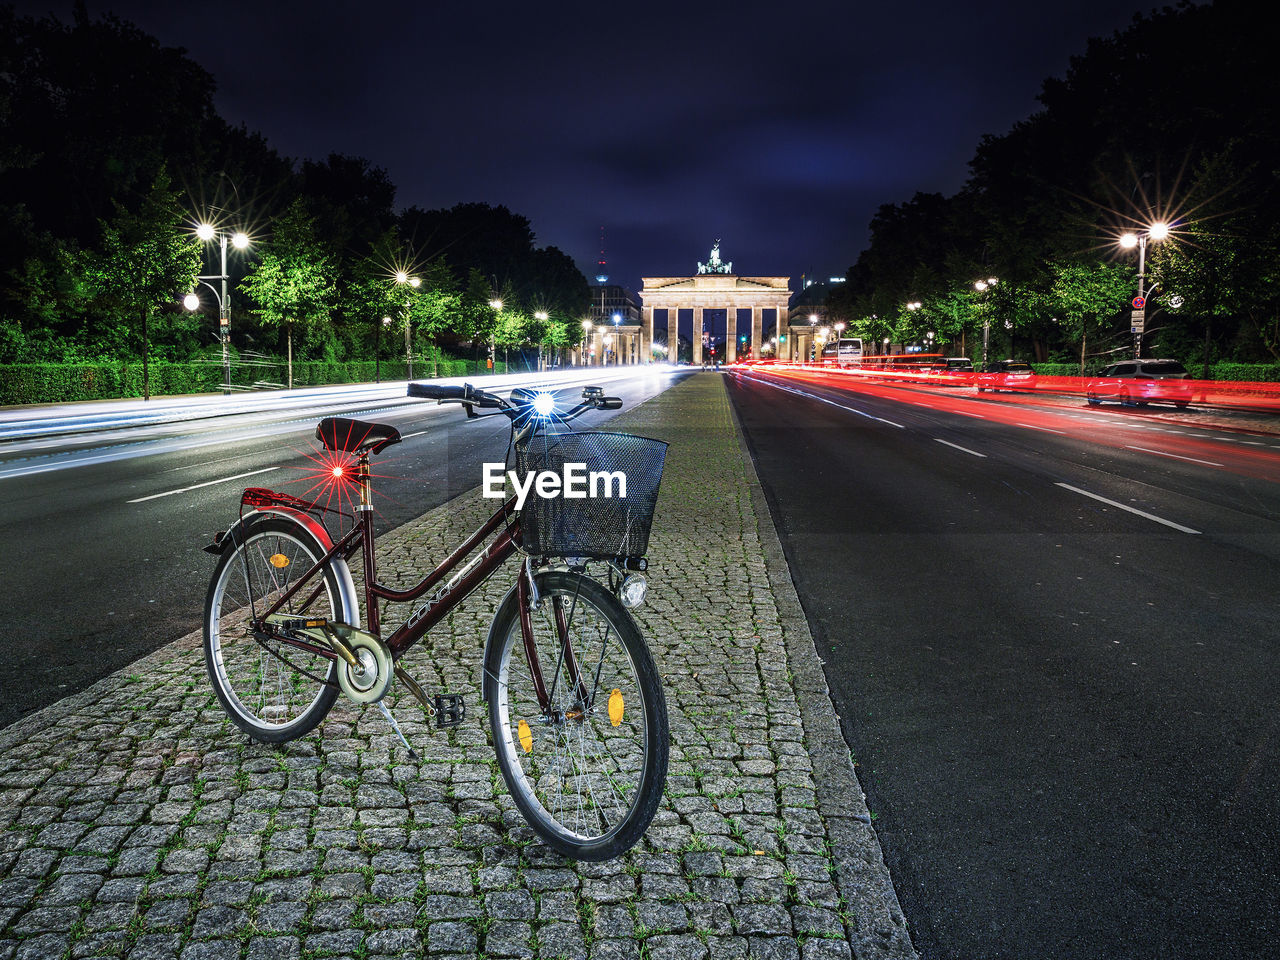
x=846 y=352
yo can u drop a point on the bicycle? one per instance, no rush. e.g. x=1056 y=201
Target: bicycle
x=575 y=704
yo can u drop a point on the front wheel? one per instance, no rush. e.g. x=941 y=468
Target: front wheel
x=588 y=770
x=271 y=691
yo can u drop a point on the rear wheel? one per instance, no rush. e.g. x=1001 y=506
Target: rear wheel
x=587 y=773
x=271 y=691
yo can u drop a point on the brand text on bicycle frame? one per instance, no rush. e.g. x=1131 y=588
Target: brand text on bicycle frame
x=574 y=483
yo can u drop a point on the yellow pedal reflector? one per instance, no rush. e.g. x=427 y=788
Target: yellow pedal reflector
x=526 y=736
x=278 y=560
x=616 y=707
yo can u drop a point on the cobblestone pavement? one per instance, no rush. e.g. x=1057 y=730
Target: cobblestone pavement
x=135 y=821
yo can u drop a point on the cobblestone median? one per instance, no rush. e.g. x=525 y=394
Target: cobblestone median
x=135 y=821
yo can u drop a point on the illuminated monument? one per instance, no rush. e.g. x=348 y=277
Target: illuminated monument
x=714 y=287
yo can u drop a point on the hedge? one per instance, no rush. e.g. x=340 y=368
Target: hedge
x=63 y=382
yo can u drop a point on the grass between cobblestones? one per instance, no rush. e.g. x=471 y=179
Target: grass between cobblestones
x=136 y=821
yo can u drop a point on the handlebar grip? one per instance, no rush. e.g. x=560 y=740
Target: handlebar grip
x=433 y=391
x=610 y=403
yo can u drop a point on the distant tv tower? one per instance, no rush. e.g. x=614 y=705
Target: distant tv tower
x=602 y=266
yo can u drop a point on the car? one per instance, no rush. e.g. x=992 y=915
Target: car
x=956 y=371
x=1005 y=375
x=1139 y=382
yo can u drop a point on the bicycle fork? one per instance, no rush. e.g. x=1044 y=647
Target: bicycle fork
x=528 y=600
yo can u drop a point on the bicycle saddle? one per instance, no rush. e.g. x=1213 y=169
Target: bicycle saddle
x=355 y=436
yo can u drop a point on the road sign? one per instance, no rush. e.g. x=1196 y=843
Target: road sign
x=1139 y=303
x=1137 y=320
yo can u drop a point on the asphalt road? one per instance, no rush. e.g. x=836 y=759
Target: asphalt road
x=102 y=532
x=1065 y=713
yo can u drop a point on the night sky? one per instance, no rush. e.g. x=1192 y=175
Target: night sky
x=778 y=128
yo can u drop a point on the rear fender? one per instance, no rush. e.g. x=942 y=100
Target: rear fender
x=234 y=535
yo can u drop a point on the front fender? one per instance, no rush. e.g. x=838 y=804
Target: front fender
x=234 y=535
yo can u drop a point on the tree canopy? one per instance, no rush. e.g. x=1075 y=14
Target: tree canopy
x=94 y=113
x=1147 y=125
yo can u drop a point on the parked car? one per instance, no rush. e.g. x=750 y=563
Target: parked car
x=1139 y=382
x=1005 y=375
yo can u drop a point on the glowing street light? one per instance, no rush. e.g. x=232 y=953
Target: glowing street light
x=1157 y=231
x=403 y=279
x=240 y=240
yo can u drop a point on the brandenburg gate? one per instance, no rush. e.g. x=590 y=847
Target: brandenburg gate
x=714 y=287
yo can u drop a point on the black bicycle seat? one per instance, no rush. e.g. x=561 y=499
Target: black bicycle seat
x=355 y=436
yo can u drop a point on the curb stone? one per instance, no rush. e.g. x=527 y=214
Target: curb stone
x=861 y=870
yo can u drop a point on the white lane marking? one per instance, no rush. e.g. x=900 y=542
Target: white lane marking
x=958 y=447
x=814 y=396
x=1032 y=426
x=1173 y=456
x=406 y=436
x=1122 y=506
x=207 y=483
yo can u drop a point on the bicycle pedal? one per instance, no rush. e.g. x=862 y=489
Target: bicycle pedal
x=451 y=710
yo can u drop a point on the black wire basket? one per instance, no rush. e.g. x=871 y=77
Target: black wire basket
x=603 y=524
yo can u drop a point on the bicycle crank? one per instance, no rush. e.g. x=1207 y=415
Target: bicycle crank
x=365 y=668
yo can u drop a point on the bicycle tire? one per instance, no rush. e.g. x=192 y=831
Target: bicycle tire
x=557 y=795
x=267 y=696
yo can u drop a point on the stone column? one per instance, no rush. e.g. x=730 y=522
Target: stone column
x=646 y=336
x=697 y=336
x=756 y=320
x=731 y=335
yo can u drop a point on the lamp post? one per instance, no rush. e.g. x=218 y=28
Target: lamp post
x=239 y=240
x=413 y=283
x=982 y=286
x=1157 y=231
x=812 y=351
x=496 y=306
x=377 y=350
x=586 y=332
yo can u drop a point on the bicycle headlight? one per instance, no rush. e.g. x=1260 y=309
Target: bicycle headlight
x=633 y=589
x=544 y=404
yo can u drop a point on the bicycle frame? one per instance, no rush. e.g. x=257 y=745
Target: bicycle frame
x=360 y=538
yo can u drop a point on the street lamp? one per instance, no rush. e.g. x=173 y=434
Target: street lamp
x=1157 y=231
x=586 y=330
x=982 y=286
x=414 y=282
x=240 y=240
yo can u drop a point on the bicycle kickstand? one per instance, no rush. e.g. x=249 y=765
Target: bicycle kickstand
x=396 y=727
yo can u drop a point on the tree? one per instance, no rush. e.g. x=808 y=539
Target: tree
x=293 y=282
x=1087 y=294
x=146 y=258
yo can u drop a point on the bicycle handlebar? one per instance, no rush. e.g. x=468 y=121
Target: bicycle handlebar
x=460 y=394
x=431 y=391
x=593 y=398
